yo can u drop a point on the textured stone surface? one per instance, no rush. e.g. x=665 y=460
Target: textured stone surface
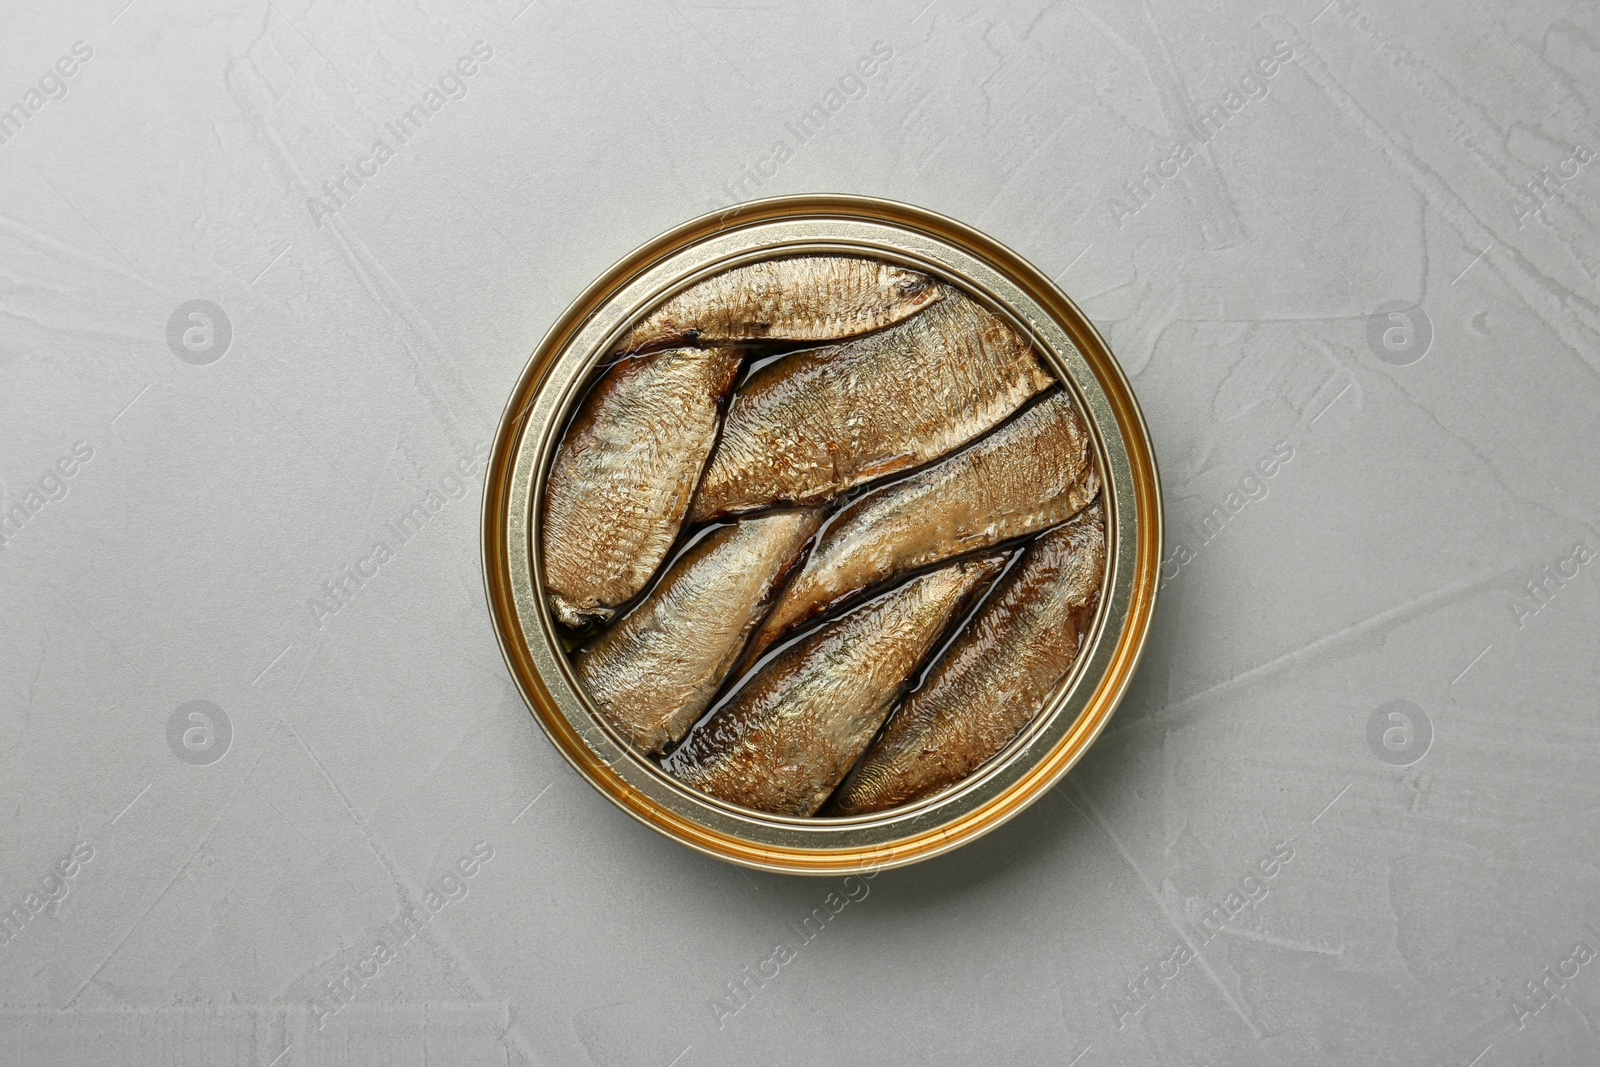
x=373 y=742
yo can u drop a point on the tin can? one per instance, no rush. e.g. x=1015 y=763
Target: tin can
x=552 y=382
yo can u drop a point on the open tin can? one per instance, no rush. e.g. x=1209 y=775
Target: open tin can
x=552 y=383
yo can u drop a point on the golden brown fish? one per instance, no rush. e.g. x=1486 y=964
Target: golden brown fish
x=806 y=427
x=1032 y=473
x=994 y=678
x=623 y=476
x=799 y=298
x=655 y=671
x=787 y=738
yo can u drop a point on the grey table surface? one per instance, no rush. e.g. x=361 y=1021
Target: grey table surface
x=1353 y=245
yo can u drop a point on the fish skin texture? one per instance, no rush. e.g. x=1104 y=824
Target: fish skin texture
x=1030 y=474
x=792 y=732
x=654 y=671
x=811 y=425
x=797 y=298
x=624 y=476
x=994 y=678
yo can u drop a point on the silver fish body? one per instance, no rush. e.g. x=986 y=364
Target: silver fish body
x=656 y=670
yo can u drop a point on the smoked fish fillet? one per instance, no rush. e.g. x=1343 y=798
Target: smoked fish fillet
x=797 y=298
x=654 y=671
x=787 y=738
x=810 y=425
x=1030 y=474
x=994 y=678
x=623 y=476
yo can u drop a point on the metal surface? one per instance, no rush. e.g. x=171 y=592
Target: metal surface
x=538 y=411
x=1378 y=260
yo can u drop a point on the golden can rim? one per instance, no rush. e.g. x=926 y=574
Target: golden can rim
x=915 y=237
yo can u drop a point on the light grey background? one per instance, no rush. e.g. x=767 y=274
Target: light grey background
x=374 y=747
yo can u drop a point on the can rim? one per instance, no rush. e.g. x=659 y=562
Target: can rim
x=1059 y=735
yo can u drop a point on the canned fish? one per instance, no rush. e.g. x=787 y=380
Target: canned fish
x=822 y=534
